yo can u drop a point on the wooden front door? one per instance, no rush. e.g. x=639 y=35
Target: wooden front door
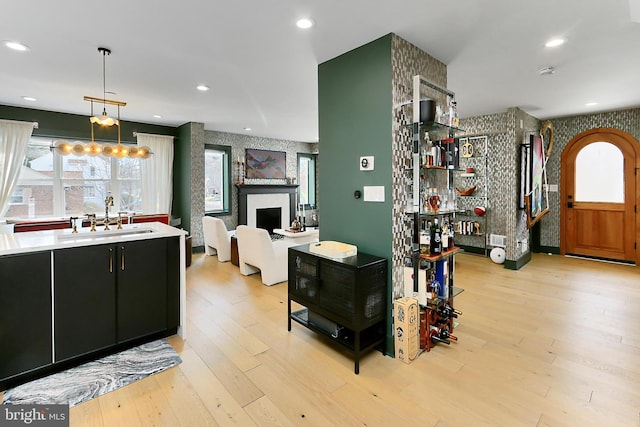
x=599 y=195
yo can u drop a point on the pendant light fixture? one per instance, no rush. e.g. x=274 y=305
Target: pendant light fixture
x=104 y=119
x=119 y=150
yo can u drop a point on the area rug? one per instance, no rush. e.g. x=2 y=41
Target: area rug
x=93 y=379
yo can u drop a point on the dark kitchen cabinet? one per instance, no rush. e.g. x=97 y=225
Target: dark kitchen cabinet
x=84 y=300
x=142 y=288
x=111 y=294
x=25 y=313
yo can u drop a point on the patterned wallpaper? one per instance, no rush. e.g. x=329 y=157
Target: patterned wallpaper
x=565 y=128
x=505 y=132
x=237 y=143
x=505 y=135
x=197 y=182
x=407 y=61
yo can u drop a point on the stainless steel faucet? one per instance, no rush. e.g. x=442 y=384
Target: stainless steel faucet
x=108 y=201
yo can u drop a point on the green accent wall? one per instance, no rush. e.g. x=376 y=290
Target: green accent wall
x=182 y=176
x=75 y=126
x=355 y=119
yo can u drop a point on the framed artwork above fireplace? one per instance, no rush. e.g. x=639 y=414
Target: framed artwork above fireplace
x=265 y=164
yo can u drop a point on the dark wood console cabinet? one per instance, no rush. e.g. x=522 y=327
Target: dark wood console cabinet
x=344 y=299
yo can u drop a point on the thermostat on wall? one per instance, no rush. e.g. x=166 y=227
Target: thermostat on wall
x=366 y=163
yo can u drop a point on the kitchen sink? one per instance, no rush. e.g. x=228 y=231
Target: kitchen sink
x=88 y=235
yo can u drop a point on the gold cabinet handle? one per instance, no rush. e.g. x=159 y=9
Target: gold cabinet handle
x=110 y=260
x=122 y=258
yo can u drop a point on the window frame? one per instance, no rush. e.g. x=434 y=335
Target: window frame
x=59 y=182
x=226 y=179
x=312 y=178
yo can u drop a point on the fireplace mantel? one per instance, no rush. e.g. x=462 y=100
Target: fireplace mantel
x=246 y=189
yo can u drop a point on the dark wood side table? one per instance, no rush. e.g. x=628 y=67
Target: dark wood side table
x=234 y=251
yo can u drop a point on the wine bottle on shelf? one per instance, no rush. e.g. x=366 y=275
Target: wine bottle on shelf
x=441 y=335
x=434 y=336
x=445 y=235
x=435 y=244
x=446 y=335
x=446 y=311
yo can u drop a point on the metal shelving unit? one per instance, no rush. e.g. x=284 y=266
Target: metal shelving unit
x=443 y=263
x=477 y=239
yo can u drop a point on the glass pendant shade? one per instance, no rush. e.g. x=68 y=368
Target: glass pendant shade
x=104 y=119
x=120 y=151
x=144 y=152
x=93 y=149
x=107 y=150
x=134 y=152
x=78 y=149
x=64 y=148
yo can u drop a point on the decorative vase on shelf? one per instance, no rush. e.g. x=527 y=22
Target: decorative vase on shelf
x=467 y=192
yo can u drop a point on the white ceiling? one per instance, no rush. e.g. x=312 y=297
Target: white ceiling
x=262 y=70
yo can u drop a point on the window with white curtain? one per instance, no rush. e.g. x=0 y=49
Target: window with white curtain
x=52 y=185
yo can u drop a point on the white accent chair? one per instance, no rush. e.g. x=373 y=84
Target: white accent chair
x=216 y=238
x=256 y=252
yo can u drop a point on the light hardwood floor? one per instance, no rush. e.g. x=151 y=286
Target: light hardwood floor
x=554 y=344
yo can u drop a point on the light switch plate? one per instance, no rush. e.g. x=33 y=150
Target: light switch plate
x=374 y=193
x=366 y=163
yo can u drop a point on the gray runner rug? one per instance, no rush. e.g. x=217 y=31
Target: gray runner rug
x=93 y=379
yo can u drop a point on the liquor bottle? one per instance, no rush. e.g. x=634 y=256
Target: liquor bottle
x=424 y=240
x=445 y=235
x=435 y=244
x=455 y=119
x=428 y=150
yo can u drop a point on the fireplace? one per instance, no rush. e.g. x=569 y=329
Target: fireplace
x=269 y=218
x=252 y=198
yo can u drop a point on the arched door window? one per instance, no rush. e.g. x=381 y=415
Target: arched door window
x=599 y=174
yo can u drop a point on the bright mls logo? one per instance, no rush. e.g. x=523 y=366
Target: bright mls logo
x=34 y=415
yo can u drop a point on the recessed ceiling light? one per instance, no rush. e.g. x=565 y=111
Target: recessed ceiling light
x=555 y=42
x=248 y=129
x=547 y=71
x=157 y=116
x=29 y=98
x=16 y=46
x=304 y=23
x=203 y=88
x=591 y=104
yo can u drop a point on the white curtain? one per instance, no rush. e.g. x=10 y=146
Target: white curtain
x=157 y=175
x=14 y=137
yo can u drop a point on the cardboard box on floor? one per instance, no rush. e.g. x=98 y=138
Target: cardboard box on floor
x=406 y=323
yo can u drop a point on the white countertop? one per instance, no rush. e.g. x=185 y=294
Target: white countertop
x=33 y=241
